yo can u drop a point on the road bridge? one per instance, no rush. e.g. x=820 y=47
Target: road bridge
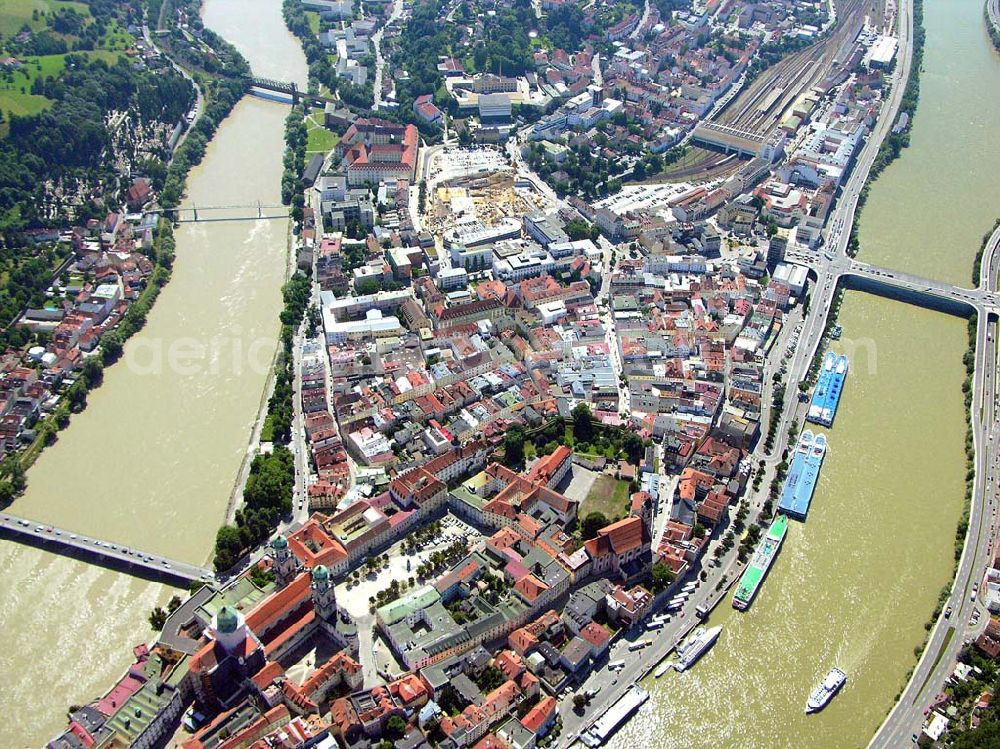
x=90 y=549
x=901 y=286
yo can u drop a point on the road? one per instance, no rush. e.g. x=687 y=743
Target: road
x=610 y=685
x=397 y=11
x=199 y=102
x=642 y=22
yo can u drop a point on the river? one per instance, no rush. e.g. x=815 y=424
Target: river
x=151 y=461
x=854 y=585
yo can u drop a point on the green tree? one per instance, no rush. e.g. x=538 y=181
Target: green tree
x=593 y=523
x=663 y=577
x=513 y=446
x=76 y=396
x=583 y=423
x=228 y=546
x=157 y=618
x=111 y=347
x=395 y=727
x=47 y=432
x=634 y=447
x=93 y=372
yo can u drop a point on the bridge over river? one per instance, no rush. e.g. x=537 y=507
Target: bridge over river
x=906 y=287
x=291 y=90
x=243 y=212
x=117 y=556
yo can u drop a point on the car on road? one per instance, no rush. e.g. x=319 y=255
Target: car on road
x=947 y=613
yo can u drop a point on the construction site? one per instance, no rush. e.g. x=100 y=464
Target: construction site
x=489 y=201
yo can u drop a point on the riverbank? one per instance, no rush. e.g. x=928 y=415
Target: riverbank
x=992 y=15
x=942 y=197
x=842 y=591
x=897 y=140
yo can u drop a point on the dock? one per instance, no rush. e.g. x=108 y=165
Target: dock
x=89 y=549
x=621 y=711
x=829 y=387
x=797 y=493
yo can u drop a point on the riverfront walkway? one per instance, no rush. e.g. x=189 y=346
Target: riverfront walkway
x=117 y=556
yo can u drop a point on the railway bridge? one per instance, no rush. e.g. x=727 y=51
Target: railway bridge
x=290 y=89
x=280 y=87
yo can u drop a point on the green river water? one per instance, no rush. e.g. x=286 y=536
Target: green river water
x=854 y=585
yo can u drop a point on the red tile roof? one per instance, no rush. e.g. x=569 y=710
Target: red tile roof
x=540 y=714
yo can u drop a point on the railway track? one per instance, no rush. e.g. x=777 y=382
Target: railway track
x=792 y=76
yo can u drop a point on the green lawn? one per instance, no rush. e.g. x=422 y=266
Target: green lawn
x=16 y=13
x=320 y=139
x=313 y=18
x=607 y=495
x=15 y=86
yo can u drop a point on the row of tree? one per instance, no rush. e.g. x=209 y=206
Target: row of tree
x=296 y=138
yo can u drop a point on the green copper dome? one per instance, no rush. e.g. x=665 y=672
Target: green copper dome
x=227 y=620
x=280 y=543
x=320 y=574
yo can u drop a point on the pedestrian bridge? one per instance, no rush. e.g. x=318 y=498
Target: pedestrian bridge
x=89 y=549
x=243 y=212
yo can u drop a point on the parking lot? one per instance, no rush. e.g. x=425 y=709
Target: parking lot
x=452 y=163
